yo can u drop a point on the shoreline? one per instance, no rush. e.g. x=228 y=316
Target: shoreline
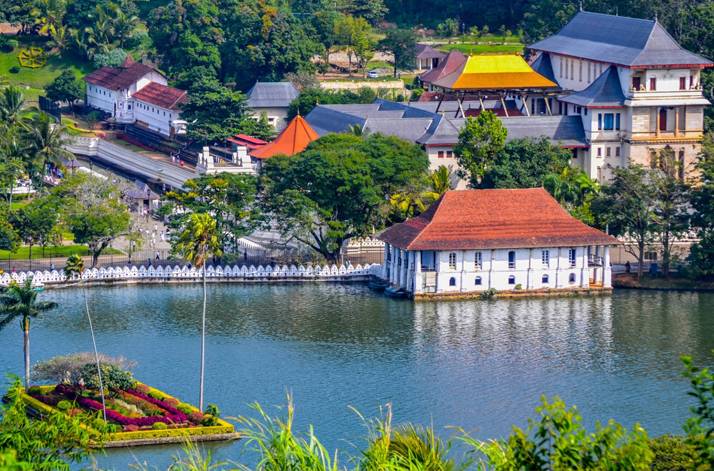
x=630 y=281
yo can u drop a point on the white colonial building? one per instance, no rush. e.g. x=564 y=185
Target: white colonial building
x=475 y=240
x=136 y=93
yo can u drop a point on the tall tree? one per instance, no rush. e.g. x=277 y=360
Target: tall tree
x=214 y=112
x=702 y=200
x=401 y=43
x=481 y=141
x=65 y=87
x=187 y=34
x=340 y=187
x=197 y=242
x=524 y=163
x=628 y=205
x=36 y=222
x=230 y=199
x=20 y=300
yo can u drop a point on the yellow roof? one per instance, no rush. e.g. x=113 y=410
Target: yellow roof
x=494 y=72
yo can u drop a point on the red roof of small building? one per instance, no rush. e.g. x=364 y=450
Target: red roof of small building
x=451 y=62
x=161 y=96
x=293 y=139
x=493 y=219
x=248 y=141
x=127 y=62
x=113 y=79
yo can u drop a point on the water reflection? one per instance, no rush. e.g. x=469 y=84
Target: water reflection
x=477 y=364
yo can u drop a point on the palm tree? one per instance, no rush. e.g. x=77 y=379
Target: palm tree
x=60 y=37
x=125 y=26
x=21 y=301
x=440 y=181
x=75 y=267
x=197 y=242
x=46 y=141
x=50 y=13
x=13 y=108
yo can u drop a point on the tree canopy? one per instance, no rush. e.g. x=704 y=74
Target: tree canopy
x=337 y=187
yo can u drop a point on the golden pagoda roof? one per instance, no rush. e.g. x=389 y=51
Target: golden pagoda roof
x=494 y=72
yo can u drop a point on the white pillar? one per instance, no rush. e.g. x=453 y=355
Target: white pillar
x=403 y=271
x=462 y=282
x=606 y=269
x=559 y=281
x=410 y=269
x=490 y=271
x=584 y=267
x=417 y=272
x=385 y=268
x=530 y=279
x=393 y=265
x=598 y=259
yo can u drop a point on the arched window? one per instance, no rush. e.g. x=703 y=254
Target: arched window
x=545 y=279
x=478 y=281
x=511 y=280
x=571 y=278
x=512 y=259
x=452 y=281
x=452 y=261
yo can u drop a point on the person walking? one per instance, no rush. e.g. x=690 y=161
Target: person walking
x=162 y=236
x=52 y=267
x=157 y=255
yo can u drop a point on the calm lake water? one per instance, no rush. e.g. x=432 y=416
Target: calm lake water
x=480 y=365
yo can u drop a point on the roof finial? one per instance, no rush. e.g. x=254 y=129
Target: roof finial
x=581 y=5
x=298 y=114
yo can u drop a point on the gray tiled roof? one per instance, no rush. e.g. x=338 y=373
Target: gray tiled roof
x=618 y=40
x=435 y=128
x=324 y=119
x=544 y=66
x=272 y=94
x=606 y=91
x=407 y=129
x=424 y=51
x=566 y=130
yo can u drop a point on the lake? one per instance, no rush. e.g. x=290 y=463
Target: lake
x=480 y=365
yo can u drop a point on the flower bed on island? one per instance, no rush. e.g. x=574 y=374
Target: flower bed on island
x=141 y=414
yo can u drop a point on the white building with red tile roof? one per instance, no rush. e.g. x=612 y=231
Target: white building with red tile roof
x=471 y=241
x=136 y=93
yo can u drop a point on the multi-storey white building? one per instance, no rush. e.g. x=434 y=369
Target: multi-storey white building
x=136 y=93
x=634 y=87
x=475 y=240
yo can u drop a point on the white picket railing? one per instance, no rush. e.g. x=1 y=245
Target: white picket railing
x=40 y=278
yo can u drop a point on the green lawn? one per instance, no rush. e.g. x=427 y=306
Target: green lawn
x=483 y=48
x=23 y=253
x=37 y=79
x=15 y=205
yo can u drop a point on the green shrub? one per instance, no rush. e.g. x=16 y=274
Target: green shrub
x=15 y=69
x=113 y=377
x=159 y=426
x=64 y=405
x=185 y=408
x=156 y=395
x=34 y=390
x=518 y=286
x=671 y=453
x=489 y=293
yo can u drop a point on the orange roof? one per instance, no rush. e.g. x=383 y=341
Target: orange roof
x=493 y=219
x=291 y=140
x=494 y=72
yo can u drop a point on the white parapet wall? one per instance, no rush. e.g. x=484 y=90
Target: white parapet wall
x=219 y=273
x=153 y=169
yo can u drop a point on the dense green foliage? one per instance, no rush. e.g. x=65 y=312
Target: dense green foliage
x=481 y=141
x=66 y=87
x=113 y=377
x=336 y=188
x=311 y=97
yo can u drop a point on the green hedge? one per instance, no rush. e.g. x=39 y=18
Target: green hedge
x=223 y=427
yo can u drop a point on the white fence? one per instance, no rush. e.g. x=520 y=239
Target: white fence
x=40 y=278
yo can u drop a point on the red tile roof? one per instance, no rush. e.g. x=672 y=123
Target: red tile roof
x=451 y=62
x=493 y=219
x=248 y=141
x=161 y=95
x=113 y=79
x=291 y=140
x=127 y=62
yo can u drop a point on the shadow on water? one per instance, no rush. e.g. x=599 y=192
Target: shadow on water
x=477 y=364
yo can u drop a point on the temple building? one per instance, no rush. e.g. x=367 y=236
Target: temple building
x=293 y=139
x=509 y=240
x=635 y=88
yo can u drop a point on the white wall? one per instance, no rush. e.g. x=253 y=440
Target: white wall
x=157 y=118
x=495 y=272
x=100 y=97
x=276 y=116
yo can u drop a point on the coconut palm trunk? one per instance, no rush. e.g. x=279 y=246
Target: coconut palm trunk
x=203 y=334
x=26 y=333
